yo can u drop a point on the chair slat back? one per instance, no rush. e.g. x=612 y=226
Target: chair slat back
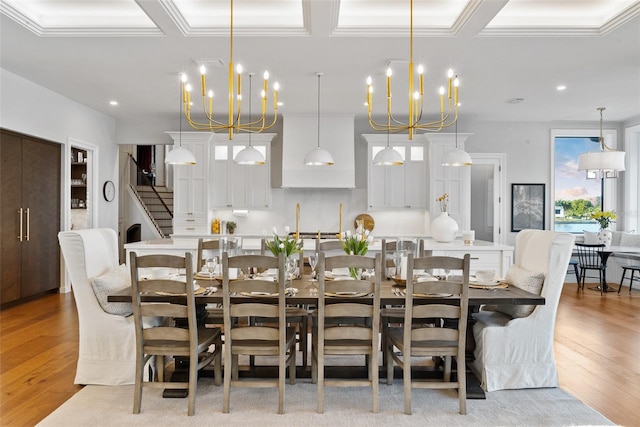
x=253 y=298
x=210 y=248
x=452 y=311
x=328 y=245
x=332 y=308
x=170 y=336
x=390 y=247
x=590 y=255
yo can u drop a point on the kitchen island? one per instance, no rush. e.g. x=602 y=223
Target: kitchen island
x=484 y=255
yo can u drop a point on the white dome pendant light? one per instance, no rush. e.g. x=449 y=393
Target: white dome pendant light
x=249 y=155
x=180 y=155
x=388 y=156
x=318 y=156
x=457 y=157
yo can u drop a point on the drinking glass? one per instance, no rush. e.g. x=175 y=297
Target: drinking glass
x=292 y=263
x=313 y=262
x=211 y=265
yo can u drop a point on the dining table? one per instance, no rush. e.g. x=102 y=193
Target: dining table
x=304 y=291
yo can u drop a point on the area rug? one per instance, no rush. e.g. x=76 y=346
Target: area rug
x=111 y=406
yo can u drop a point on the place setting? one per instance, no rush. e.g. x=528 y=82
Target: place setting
x=485 y=279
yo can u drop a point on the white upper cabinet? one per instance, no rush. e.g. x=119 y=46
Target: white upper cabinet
x=300 y=135
x=401 y=186
x=235 y=186
x=190 y=181
x=453 y=180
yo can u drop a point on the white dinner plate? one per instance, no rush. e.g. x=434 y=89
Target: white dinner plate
x=476 y=282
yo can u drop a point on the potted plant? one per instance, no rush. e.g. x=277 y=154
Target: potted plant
x=231 y=226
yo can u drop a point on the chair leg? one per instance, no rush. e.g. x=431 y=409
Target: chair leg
x=375 y=380
x=193 y=383
x=320 y=381
x=624 y=273
x=447 y=368
x=406 y=377
x=228 y=361
x=137 y=394
x=577 y=273
x=388 y=349
x=462 y=381
x=217 y=363
x=304 y=335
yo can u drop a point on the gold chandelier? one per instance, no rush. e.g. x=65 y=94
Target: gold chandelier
x=233 y=123
x=448 y=115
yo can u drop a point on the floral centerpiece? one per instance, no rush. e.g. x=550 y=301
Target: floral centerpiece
x=286 y=244
x=603 y=218
x=444 y=202
x=356 y=244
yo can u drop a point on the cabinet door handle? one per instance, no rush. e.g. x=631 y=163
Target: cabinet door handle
x=28 y=224
x=20 y=214
x=474 y=258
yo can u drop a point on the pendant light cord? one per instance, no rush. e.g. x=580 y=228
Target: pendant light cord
x=319 y=75
x=456 y=134
x=180 y=114
x=250 y=92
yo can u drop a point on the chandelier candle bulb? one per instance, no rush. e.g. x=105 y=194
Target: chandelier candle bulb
x=203 y=78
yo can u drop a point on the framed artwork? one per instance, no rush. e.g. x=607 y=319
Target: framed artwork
x=527 y=207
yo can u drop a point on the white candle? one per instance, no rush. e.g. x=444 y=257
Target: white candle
x=468 y=236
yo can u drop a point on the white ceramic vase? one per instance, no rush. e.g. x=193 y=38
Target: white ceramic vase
x=444 y=228
x=604 y=236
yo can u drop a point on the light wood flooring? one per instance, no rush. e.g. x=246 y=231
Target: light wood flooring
x=597 y=347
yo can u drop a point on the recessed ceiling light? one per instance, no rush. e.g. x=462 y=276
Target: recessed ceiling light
x=561 y=87
x=113 y=102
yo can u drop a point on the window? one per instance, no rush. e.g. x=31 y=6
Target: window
x=575 y=196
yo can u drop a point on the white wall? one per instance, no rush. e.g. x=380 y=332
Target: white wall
x=34 y=110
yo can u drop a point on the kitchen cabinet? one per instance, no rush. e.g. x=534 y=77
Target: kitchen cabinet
x=452 y=180
x=30 y=198
x=484 y=255
x=190 y=187
x=401 y=186
x=235 y=186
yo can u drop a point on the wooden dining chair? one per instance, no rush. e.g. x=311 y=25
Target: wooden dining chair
x=298 y=315
x=328 y=245
x=256 y=298
x=208 y=248
x=445 y=339
x=390 y=247
x=176 y=338
x=346 y=322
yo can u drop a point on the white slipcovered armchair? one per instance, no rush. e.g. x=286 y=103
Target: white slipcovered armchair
x=518 y=353
x=107 y=352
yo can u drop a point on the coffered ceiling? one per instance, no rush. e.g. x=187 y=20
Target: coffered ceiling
x=510 y=55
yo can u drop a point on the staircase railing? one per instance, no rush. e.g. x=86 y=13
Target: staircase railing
x=147 y=212
x=149 y=183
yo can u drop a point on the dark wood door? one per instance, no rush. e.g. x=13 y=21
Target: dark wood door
x=30 y=216
x=10 y=203
x=41 y=201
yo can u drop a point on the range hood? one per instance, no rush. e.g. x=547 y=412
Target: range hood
x=300 y=135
